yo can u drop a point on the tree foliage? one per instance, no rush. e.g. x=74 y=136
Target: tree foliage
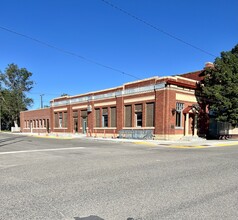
x=14 y=83
x=220 y=87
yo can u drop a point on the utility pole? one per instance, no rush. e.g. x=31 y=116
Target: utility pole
x=0 y=116
x=41 y=101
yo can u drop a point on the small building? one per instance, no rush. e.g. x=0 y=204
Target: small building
x=158 y=107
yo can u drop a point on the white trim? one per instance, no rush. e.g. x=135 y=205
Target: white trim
x=145 y=98
x=104 y=128
x=104 y=103
x=186 y=97
x=179 y=128
x=80 y=107
x=60 y=109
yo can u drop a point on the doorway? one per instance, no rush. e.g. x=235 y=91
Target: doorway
x=76 y=125
x=84 y=125
x=48 y=125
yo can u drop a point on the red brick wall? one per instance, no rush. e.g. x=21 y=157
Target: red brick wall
x=193 y=75
x=165 y=101
x=39 y=114
x=140 y=83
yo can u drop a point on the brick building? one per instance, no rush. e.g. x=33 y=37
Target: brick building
x=164 y=106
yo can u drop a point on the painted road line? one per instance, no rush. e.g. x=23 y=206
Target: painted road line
x=226 y=144
x=41 y=150
x=145 y=143
x=53 y=137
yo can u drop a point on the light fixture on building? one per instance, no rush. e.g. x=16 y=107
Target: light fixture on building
x=173 y=111
x=195 y=108
x=89 y=108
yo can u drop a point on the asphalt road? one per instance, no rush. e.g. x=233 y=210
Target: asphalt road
x=94 y=180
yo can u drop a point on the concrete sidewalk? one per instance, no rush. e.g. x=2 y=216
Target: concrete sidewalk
x=192 y=143
x=185 y=142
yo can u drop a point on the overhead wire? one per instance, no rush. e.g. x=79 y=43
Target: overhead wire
x=156 y=28
x=68 y=52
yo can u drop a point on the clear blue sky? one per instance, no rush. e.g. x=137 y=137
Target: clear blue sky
x=96 y=31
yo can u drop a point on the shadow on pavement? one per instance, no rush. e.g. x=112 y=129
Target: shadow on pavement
x=8 y=141
x=91 y=217
x=94 y=217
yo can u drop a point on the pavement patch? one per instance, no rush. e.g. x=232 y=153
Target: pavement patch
x=187 y=147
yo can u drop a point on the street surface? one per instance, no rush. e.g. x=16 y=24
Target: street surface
x=84 y=179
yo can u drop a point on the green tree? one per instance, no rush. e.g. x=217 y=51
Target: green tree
x=219 y=88
x=15 y=83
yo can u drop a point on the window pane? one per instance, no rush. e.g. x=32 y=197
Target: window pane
x=178 y=119
x=179 y=108
x=104 y=111
x=105 y=120
x=139 y=119
x=138 y=108
x=75 y=114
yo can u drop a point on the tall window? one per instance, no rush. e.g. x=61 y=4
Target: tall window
x=150 y=114
x=40 y=123
x=179 y=108
x=138 y=115
x=128 y=116
x=60 y=120
x=113 y=117
x=97 y=117
x=104 y=117
x=65 y=123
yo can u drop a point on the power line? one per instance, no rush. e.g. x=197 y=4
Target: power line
x=156 y=28
x=47 y=94
x=68 y=52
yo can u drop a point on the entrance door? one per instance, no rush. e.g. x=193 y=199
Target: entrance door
x=48 y=125
x=76 y=125
x=84 y=125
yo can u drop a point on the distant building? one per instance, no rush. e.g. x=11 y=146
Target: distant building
x=163 y=106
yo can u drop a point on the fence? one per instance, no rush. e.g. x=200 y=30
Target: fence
x=218 y=130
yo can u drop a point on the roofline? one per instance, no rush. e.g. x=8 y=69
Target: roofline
x=35 y=109
x=129 y=83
